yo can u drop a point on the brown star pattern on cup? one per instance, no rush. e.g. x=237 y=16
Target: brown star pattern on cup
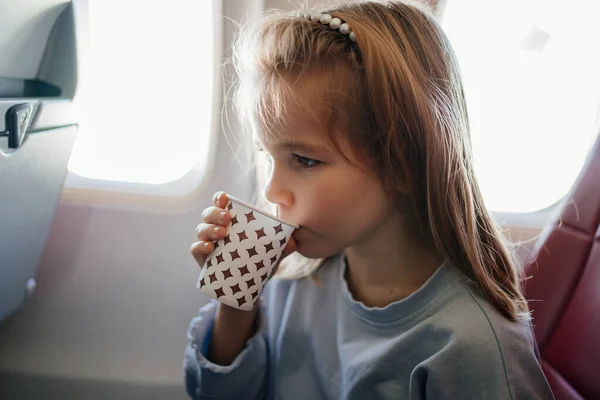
x=252 y=252
x=236 y=289
x=260 y=233
x=250 y=216
x=242 y=286
x=241 y=301
x=263 y=277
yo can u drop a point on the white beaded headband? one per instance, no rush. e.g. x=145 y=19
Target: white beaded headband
x=326 y=19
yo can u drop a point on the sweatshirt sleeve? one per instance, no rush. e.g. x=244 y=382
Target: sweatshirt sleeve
x=245 y=378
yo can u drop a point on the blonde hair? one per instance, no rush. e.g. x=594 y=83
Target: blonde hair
x=397 y=96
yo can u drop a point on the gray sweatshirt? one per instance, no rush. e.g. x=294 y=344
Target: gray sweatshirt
x=444 y=341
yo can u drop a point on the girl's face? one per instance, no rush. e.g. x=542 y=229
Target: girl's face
x=335 y=204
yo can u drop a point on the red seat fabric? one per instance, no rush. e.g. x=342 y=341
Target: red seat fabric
x=563 y=290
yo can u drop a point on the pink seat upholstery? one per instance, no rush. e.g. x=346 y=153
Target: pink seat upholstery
x=564 y=290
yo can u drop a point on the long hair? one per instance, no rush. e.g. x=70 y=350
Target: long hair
x=396 y=95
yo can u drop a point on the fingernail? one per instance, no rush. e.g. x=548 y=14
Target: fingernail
x=219 y=197
x=222 y=216
x=206 y=245
x=216 y=230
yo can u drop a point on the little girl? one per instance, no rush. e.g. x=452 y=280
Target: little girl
x=411 y=292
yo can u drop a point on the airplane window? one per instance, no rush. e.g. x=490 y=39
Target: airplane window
x=531 y=71
x=145 y=94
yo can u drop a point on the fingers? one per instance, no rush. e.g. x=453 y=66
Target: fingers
x=210 y=232
x=212 y=229
x=200 y=250
x=216 y=215
x=215 y=224
x=220 y=199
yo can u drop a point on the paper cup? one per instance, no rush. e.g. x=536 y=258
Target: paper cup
x=237 y=270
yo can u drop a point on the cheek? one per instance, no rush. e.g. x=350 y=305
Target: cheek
x=338 y=211
x=346 y=207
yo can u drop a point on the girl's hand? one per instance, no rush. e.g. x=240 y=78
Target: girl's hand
x=214 y=228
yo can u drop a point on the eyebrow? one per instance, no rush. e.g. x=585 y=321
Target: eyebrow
x=296 y=146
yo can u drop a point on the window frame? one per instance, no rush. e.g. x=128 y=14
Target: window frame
x=537 y=219
x=81 y=190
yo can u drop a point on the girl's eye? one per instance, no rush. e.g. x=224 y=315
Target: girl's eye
x=305 y=162
x=298 y=161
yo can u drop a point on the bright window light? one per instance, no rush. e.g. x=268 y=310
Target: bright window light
x=146 y=90
x=531 y=70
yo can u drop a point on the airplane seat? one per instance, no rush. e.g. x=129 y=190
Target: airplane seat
x=563 y=289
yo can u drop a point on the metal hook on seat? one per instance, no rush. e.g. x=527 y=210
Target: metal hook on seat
x=17 y=122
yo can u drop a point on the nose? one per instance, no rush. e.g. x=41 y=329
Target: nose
x=277 y=192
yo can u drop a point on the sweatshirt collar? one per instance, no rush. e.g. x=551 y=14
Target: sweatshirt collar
x=405 y=310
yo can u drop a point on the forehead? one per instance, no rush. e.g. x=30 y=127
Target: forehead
x=294 y=103
x=318 y=138
x=296 y=125
x=307 y=108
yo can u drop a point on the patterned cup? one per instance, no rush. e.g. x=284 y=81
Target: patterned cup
x=237 y=270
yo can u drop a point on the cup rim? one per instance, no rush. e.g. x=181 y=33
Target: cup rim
x=266 y=214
